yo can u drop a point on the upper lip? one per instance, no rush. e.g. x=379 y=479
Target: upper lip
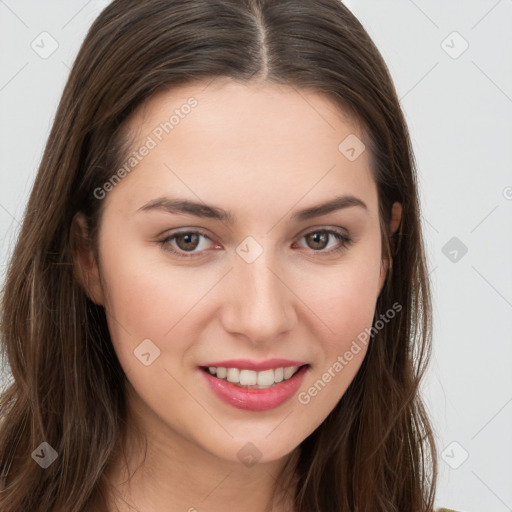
x=247 y=364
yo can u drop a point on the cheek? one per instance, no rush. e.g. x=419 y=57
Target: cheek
x=149 y=299
x=344 y=301
x=345 y=307
x=144 y=300
x=344 y=297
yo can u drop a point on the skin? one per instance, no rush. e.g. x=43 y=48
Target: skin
x=263 y=152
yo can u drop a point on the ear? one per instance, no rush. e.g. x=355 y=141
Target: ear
x=396 y=217
x=84 y=261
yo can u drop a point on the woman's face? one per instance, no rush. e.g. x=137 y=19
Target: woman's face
x=216 y=248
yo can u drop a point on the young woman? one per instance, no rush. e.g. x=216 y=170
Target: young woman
x=219 y=295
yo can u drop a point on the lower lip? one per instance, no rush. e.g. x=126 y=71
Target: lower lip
x=255 y=399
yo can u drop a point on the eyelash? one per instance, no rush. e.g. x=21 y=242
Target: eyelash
x=345 y=240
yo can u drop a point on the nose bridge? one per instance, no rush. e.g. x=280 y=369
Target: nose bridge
x=260 y=304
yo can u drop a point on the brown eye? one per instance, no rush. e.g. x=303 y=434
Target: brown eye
x=318 y=240
x=187 y=241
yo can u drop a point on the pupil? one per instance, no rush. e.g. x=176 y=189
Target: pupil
x=189 y=238
x=319 y=238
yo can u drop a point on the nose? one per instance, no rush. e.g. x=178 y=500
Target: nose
x=260 y=304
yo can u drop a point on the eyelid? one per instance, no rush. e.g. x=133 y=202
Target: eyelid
x=343 y=236
x=324 y=227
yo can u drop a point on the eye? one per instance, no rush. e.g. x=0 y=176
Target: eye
x=185 y=242
x=189 y=244
x=319 y=240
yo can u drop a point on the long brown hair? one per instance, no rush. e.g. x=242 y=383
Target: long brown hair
x=375 y=450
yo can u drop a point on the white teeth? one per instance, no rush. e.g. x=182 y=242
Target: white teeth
x=263 y=379
x=248 y=378
x=288 y=372
x=233 y=375
x=266 y=378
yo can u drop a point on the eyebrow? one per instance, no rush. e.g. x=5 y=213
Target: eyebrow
x=186 y=206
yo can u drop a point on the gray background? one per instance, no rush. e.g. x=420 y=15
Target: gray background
x=458 y=105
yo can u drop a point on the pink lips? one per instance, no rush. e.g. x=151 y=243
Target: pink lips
x=252 y=399
x=246 y=364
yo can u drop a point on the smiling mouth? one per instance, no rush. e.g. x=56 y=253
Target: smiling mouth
x=251 y=379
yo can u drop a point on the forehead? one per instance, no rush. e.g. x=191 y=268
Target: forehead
x=258 y=107
x=251 y=138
